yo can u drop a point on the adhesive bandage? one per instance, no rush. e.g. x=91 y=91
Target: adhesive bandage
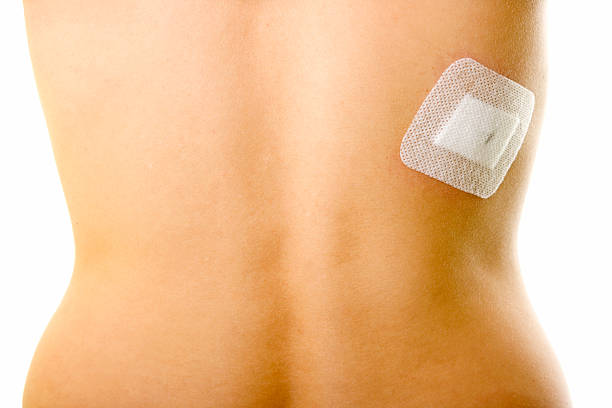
x=470 y=128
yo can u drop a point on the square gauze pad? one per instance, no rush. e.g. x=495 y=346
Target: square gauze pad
x=470 y=128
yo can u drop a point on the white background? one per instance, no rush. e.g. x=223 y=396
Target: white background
x=565 y=234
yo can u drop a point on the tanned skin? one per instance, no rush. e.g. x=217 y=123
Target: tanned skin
x=246 y=234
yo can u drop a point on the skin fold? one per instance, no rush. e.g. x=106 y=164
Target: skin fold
x=246 y=234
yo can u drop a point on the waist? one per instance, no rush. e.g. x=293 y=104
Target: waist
x=344 y=336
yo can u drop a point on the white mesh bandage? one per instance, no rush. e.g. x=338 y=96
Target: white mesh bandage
x=469 y=129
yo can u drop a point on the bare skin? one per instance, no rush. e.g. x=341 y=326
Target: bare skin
x=246 y=234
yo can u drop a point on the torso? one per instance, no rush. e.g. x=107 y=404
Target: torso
x=246 y=234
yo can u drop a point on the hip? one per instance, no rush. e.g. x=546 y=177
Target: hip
x=286 y=342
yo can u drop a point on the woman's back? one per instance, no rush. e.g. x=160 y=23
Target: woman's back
x=246 y=234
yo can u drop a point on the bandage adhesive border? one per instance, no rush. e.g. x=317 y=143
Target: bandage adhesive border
x=469 y=129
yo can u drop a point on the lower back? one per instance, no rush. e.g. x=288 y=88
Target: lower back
x=246 y=234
